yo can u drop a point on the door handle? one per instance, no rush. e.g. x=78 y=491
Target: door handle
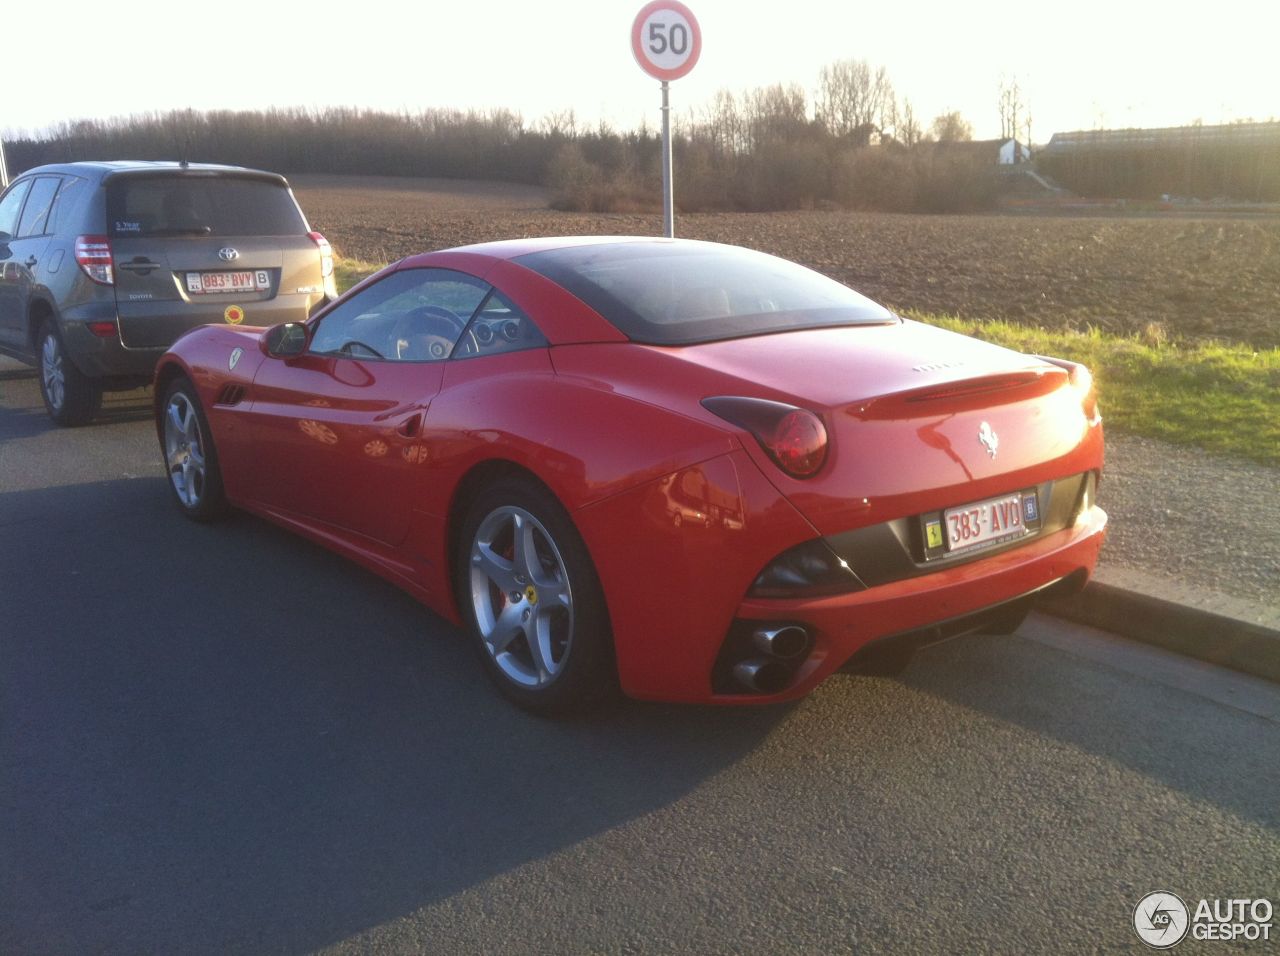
x=409 y=427
x=31 y=262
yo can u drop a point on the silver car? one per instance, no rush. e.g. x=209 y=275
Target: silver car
x=104 y=264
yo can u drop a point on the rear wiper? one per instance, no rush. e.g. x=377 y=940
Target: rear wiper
x=182 y=231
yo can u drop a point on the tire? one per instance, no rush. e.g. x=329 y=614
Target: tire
x=190 y=458
x=532 y=601
x=70 y=397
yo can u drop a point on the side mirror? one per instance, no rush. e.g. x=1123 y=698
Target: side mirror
x=286 y=341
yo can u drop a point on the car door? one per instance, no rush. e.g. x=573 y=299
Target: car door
x=337 y=431
x=12 y=303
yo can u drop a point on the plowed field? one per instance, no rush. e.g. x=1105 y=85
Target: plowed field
x=1181 y=277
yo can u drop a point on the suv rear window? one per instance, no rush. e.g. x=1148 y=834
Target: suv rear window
x=200 y=206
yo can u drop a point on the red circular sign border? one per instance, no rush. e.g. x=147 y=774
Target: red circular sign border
x=656 y=72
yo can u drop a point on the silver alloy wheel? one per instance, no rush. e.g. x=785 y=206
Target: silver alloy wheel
x=184 y=449
x=520 y=592
x=51 y=372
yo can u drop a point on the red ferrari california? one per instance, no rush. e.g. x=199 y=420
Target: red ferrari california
x=689 y=471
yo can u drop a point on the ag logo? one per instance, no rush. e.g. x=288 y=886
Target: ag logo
x=1161 y=920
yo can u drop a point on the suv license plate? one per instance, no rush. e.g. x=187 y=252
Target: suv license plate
x=985 y=522
x=204 y=283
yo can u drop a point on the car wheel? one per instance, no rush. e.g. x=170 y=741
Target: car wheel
x=70 y=396
x=530 y=596
x=189 y=454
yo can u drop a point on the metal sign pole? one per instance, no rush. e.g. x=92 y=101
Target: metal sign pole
x=666 y=42
x=668 y=198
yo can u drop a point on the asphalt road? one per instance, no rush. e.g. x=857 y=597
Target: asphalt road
x=226 y=740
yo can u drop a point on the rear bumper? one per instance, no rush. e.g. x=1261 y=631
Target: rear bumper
x=104 y=357
x=842 y=625
x=676 y=557
x=108 y=358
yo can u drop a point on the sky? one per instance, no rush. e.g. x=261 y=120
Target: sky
x=1082 y=65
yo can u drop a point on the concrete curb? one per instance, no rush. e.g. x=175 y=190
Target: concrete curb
x=1208 y=635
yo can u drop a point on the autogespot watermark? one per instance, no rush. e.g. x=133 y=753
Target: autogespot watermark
x=1162 y=920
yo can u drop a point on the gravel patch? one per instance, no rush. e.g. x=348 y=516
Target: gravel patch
x=1195 y=518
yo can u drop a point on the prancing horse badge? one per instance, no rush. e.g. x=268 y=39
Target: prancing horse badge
x=990 y=440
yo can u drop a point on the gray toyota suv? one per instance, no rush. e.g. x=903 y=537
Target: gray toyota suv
x=103 y=265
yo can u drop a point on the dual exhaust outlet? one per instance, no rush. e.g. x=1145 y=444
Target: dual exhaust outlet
x=783 y=648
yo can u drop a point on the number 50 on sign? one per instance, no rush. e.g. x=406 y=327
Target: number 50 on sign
x=666 y=40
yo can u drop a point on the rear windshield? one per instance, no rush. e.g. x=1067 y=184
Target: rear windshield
x=200 y=206
x=689 y=292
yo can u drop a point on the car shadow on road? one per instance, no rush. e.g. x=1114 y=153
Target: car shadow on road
x=222 y=737
x=27 y=419
x=1143 y=725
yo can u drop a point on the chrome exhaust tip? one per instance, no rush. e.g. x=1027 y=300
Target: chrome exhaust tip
x=786 y=642
x=761 y=676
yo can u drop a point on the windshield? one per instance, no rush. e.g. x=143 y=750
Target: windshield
x=682 y=293
x=200 y=206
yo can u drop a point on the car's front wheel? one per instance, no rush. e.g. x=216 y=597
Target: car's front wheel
x=70 y=396
x=532 y=601
x=190 y=458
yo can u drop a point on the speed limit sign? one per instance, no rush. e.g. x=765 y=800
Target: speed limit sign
x=666 y=40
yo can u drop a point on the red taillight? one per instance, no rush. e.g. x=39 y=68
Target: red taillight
x=93 y=253
x=326 y=253
x=103 y=330
x=793 y=437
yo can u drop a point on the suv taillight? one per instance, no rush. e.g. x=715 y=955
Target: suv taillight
x=326 y=253
x=93 y=253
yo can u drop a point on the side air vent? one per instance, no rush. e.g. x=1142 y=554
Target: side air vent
x=231 y=394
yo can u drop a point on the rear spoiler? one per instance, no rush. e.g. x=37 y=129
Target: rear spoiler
x=197 y=172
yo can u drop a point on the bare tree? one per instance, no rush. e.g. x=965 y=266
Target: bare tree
x=852 y=96
x=774 y=112
x=952 y=128
x=1013 y=104
x=559 y=124
x=724 y=124
x=907 y=130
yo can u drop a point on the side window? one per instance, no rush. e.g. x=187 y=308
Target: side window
x=64 y=205
x=498 y=326
x=36 y=210
x=415 y=315
x=11 y=205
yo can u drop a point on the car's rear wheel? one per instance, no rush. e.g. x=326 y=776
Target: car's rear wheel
x=532 y=601
x=70 y=396
x=190 y=457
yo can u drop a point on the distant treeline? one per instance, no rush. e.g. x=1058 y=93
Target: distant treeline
x=759 y=151
x=1193 y=166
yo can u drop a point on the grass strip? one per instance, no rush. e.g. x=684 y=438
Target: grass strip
x=348 y=272
x=1219 y=397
